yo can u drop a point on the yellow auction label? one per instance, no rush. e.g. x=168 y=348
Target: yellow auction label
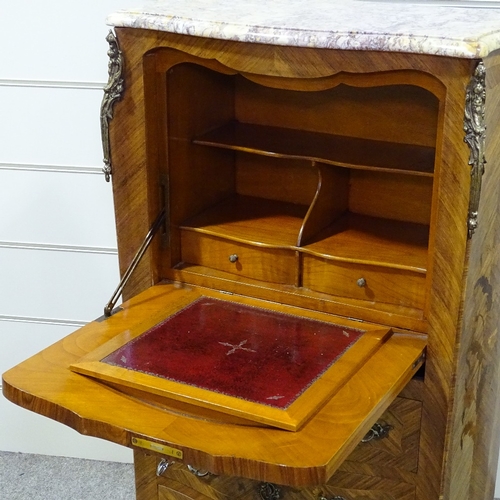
x=159 y=448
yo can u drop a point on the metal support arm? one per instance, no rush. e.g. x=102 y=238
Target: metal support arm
x=108 y=309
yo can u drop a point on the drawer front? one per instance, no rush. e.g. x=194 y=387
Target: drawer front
x=398 y=448
x=178 y=483
x=345 y=486
x=393 y=441
x=177 y=480
x=372 y=283
x=179 y=491
x=274 y=265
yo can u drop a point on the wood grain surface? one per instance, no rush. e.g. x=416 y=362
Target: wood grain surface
x=471 y=461
x=399 y=448
x=310 y=455
x=301 y=362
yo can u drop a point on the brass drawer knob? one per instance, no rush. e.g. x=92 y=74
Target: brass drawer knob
x=233 y=258
x=361 y=282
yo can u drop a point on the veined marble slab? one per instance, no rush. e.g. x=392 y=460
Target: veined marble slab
x=334 y=24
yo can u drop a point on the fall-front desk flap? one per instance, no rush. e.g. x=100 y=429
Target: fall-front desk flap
x=224 y=381
x=257 y=362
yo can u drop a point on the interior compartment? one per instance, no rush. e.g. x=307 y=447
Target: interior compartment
x=340 y=174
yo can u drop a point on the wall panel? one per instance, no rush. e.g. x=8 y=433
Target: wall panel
x=58 y=265
x=62 y=208
x=55 y=126
x=29 y=432
x=56 y=284
x=55 y=39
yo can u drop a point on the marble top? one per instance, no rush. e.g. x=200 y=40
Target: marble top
x=420 y=26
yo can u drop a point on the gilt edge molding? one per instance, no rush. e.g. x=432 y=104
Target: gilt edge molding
x=113 y=92
x=475 y=134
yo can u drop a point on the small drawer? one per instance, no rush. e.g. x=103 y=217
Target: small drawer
x=177 y=483
x=179 y=491
x=357 y=281
x=346 y=486
x=394 y=439
x=273 y=265
x=182 y=482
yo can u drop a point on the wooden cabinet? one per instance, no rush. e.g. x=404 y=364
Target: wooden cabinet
x=332 y=186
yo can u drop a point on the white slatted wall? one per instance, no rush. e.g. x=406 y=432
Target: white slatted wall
x=58 y=259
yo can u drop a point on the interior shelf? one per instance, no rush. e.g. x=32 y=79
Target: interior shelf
x=371 y=240
x=352 y=238
x=325 y=148
x=251 y=220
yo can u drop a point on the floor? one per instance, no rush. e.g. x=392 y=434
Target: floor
x=39 y=477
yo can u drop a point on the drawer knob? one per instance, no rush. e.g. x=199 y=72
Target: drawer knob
x=269 y=491
x=378 y=431
x=197 y=472
x=361 y=282
x=163 y=465
x=233 y=258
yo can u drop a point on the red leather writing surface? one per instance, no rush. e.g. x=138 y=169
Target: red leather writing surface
x=242 y=351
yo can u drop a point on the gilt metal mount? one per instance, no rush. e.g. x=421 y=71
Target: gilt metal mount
x=113 y=92
x=269 y=491
x=163 y=465
x=475 y=133
x=198 y=472
x=378 y=431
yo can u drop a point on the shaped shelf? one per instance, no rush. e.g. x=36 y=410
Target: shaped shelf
x=336 y=150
